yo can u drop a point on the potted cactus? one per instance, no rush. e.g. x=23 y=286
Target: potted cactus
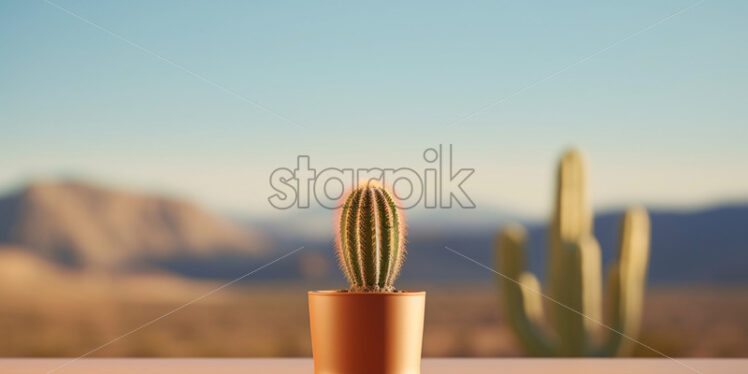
x=370 y=327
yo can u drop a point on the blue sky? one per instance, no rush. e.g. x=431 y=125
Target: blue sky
x=662 y=115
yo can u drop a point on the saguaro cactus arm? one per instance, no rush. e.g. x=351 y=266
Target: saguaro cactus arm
x=625 y=283
x=521 y=292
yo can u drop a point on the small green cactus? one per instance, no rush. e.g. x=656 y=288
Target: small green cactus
x=575 y=277
x=370 y=239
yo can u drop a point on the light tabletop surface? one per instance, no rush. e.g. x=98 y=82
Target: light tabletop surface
x=429 y=366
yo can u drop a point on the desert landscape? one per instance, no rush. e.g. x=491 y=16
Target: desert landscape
x=51 y=312
x=60 y=314
x=82 y=265
x=566 y=181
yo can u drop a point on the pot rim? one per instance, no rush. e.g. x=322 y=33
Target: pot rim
x=400 y=293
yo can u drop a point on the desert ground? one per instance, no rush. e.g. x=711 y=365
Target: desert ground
x=70 y=315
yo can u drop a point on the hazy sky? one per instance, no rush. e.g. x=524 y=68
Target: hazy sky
x=660 y=106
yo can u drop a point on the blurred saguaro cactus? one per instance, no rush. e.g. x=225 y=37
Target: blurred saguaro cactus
x=574 y=286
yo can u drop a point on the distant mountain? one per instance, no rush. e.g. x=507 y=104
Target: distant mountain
x=704 y=246
x=89 y=227
x=709 y=245
x=85 y=226
x=317 y=223
x=18 y=267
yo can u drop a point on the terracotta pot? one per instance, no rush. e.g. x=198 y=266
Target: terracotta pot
x=366 y=333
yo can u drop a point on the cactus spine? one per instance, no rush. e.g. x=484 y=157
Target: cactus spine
x=370 y=239
x=575 y=277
